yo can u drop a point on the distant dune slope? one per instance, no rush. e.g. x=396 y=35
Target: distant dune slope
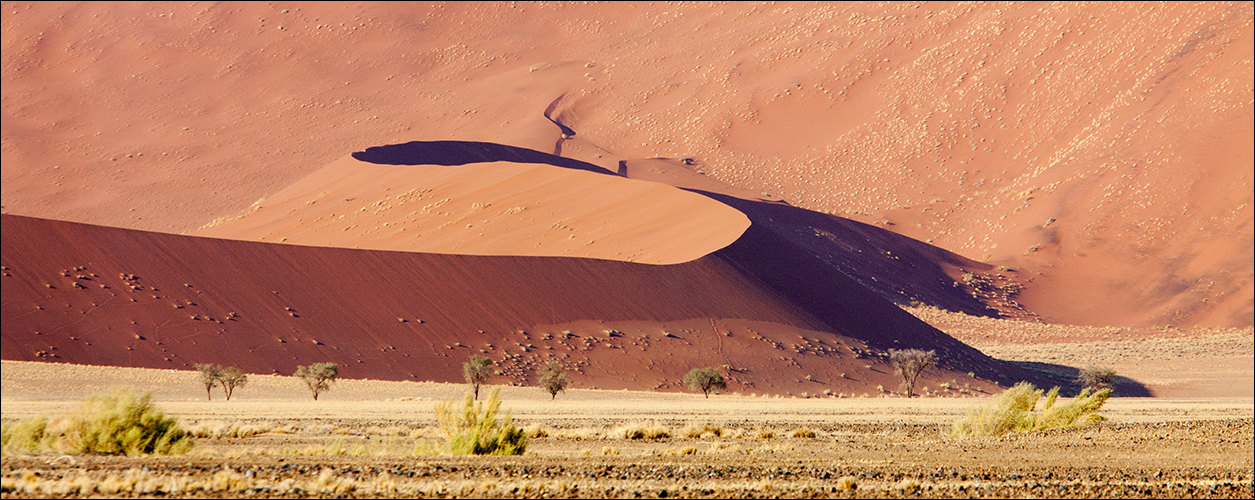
x=97 y=295
x=1104 y=149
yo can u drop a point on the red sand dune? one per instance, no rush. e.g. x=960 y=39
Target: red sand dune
x=1104 y=150
x=480 y=202
x=97 y=295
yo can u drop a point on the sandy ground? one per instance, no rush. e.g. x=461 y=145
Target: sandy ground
x=364 y=434
x=1172 y=362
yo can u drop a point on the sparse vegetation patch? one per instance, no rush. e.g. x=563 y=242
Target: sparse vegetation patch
x=119 y=423
x=1013 y=410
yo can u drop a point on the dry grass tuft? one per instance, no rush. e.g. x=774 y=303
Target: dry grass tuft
x=1012 y=410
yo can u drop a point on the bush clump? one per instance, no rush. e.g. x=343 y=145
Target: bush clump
x=1013 y=410
x=1097 y=378
x=705 y=380
x=119 y=423
x=475 y=429
x=317 y=376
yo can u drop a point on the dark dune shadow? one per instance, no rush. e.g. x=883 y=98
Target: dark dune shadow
x=914 y=272
x=454 y=153
x=899 y=268
x=1065 y=377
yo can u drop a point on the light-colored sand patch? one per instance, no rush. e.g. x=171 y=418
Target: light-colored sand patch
x=497 y=208
x=30 y=388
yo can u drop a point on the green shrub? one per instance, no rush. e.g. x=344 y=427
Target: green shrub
x=1013 y=410
x=476 y=371
x=119 y=423
x=24 y=436
x=553 y=379
x=317 y=376
x=475 y=429
x=705 y=380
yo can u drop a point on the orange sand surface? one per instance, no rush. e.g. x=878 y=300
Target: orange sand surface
x=495 y=208
x=1109 y=144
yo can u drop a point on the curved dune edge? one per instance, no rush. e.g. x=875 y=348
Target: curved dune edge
x=492 y=208
x=96 y=295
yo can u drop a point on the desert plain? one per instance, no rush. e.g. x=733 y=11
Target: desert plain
x=785 y=191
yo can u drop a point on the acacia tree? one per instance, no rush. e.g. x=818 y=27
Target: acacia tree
x=231 y=377
x=553 y=379
x=476 y=371
x=1096 y=378
x=317 y=376
x=209 y=377
x=705 y=380
x=910 y=363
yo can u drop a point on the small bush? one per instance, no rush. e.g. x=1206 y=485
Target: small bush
x=553 y=379
x=643 y=431
x=802 y=432
x=705 y=380
x=317 y=376
x=1012 y=410
x=119 y=423
x=476 y=371
x=209 y=375
x=1097 y=378
x=26 y=436
x=910 y=363
x=695 y=431
x=231 y=377
x=475 y=429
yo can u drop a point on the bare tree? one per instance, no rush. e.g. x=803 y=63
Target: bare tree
x=910 y=363
x=231 y=377
x=318 y=376
x=209 y=376
x=705 y=380
x=476 y=371
x=1097 y=378
x=553 y=379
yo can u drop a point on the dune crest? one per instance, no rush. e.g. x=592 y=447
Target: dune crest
x=493 y=208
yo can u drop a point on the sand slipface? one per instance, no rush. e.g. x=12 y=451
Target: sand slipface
x=494 y=208
x=1109 y=144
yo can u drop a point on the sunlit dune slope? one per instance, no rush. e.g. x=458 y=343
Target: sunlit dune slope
x=480 y=198
x=1102 y=149
x=494 y=208
x=97 y=295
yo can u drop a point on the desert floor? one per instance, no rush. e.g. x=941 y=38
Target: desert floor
x=368 y=438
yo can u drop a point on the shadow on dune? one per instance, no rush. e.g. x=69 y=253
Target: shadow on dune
x=823 y=264
x=1065 y=377
x=900 y=269
x=452 y=153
